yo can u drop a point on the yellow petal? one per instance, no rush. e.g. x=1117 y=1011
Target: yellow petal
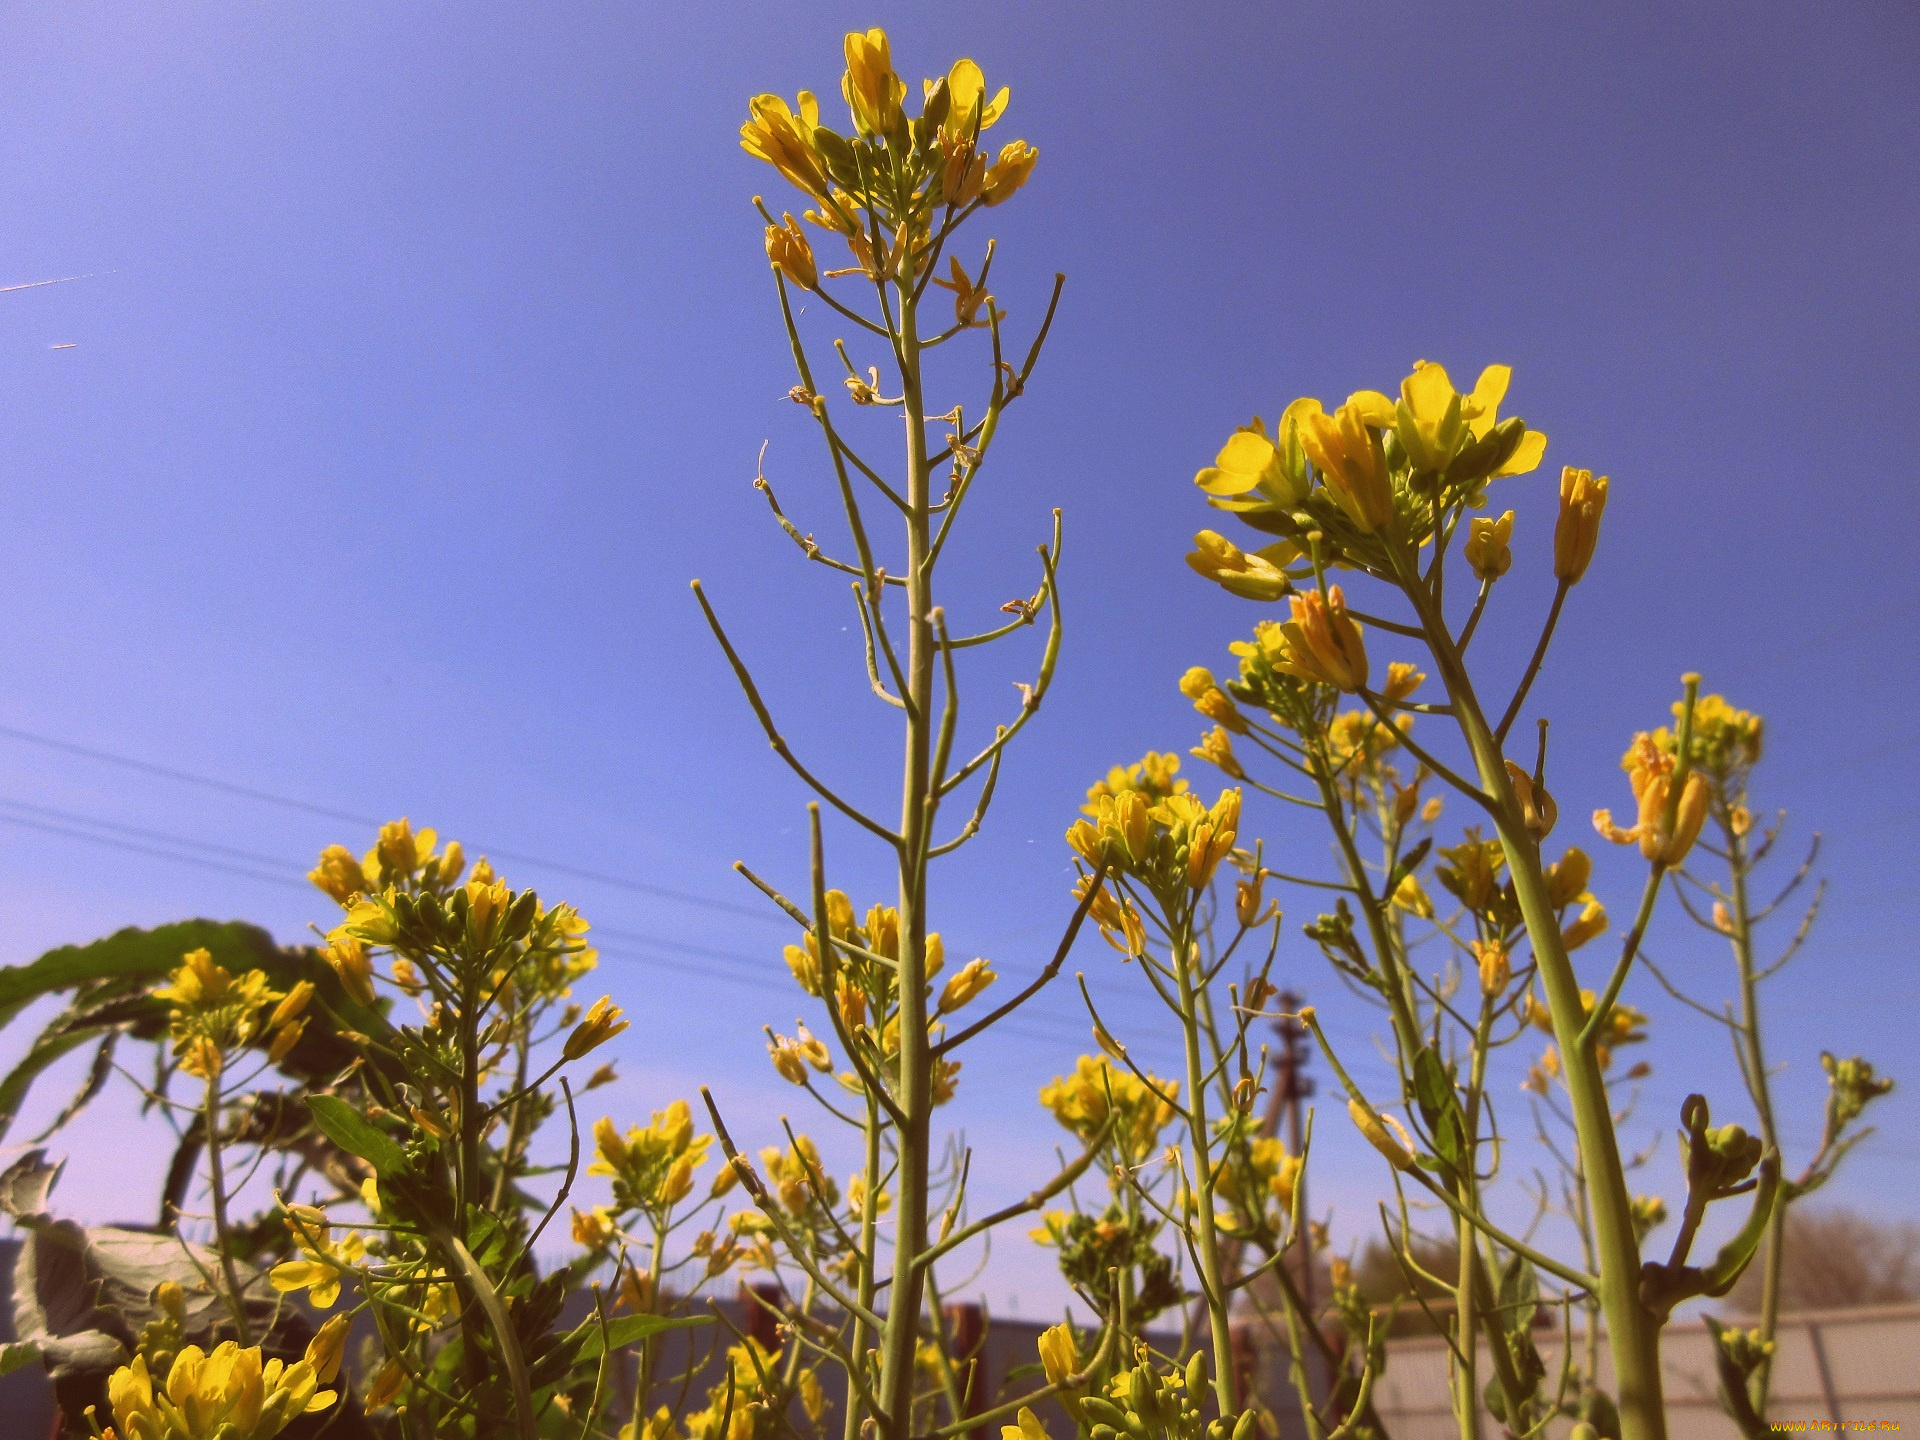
x=1428 y=392
x=1488 y=391
x=1375 y=409
x=1527 y=456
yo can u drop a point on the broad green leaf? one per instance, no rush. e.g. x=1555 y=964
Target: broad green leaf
x=134 y=952
x=46 y=1050
x=627 y=1330
x=357 y=1135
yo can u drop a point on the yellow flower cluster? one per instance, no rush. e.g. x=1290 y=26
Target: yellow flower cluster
x=651 y=1166
x=1383 y=464
x=1267 y=1172
x=211 y=1012
x=231 y=1394
x=879 y=189
x=1172 y=847
x=1154 y=775
x=1726 y=740
x=1098 y=1090
x=401 y=856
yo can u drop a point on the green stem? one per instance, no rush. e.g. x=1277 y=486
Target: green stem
x=1633 y=1332
x=1200 y=1137
x=496 y=1312
x=915 y=1097
x=217 y=1184
x=1772 y=1261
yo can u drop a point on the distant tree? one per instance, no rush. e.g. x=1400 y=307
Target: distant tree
x=1838 y=1258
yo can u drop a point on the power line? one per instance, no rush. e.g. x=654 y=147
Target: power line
x=266 y=797
x=159 y=844
x=139 y=849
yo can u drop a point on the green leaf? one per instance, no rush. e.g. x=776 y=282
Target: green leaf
x=46 y=1049
x=1431 y=1087
x=17 y=1354
x=133 y=952
x=627 y=1330
x=357 y=1135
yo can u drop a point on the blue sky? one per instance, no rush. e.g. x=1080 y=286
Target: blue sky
x=427 y=350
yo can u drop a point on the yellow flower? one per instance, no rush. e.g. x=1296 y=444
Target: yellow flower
x=1251 y=577
x=353 y=965
x=1402 y=680
x=326 y=1263
x=1210 y=700
x=873 y=92
x=385 y=1385
x=1650 y=773
x=600 y=1024
x=1345 y=448
x=1567 y=879
x=1323 y=644
x=1486 y=548
x=326 y=1348
x=592 y=1228
x=784 y=139
x=1009 y=172
x=652 y=1166
x=228 y=1395
x=787 y=1060
x=792 y=253
x=1583 y=500
x=1120 y=924
x=967 y=296
x=1097 y=1088
x=1429 y=419
x=1482 y=411
x=1411 y=898
x=1587 y=925
x=966 y=96
x=399 y=852
x=1216 y=746
x=338 y=873
x=284 y=1039
x=1060 y=1361
x=1211 y=841
x=1537 y=810
x=1251 y=461
x=967 y=982
x=295 y=1002
x=962 y=176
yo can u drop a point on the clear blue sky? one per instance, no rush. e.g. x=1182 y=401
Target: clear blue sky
x=428 y=350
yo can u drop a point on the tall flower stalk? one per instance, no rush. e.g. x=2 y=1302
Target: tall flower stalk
x=897 y=192
x=1377 y=491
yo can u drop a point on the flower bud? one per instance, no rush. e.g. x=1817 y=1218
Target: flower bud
x=326 y=1348
x=791 y=253
x=1345 y=448
x=1583 y=500
x=1009 y=172
x=1496 y=967
x=1216 y=747
x=1486 y=548
x=339 y=874
x=600 y=1025
x=351 y=963
x=967 y=982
